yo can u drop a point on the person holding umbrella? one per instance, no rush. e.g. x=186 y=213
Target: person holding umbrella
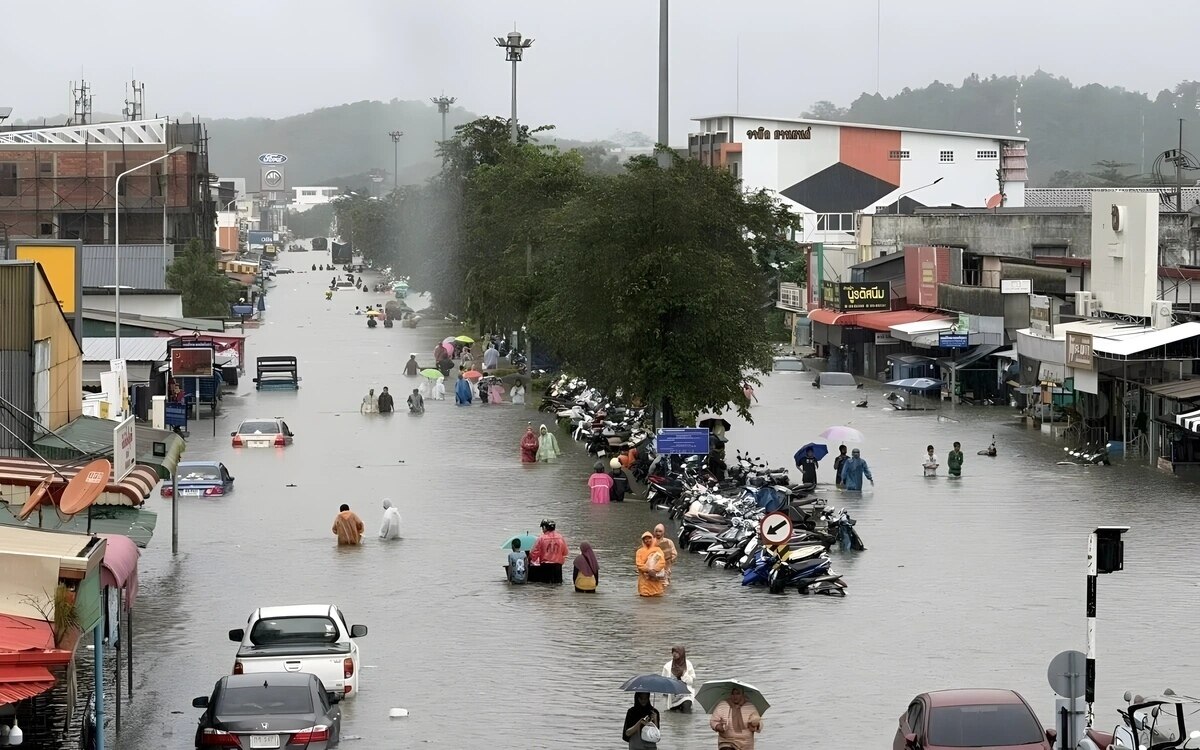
x=808 y=464
x=641 y=724
x=841 y=459
x=735 y=712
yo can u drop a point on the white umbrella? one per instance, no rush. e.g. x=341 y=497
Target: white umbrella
x=842 y=434
x=714 y=691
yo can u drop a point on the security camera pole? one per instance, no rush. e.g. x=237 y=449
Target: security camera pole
x=396 y=135
x=443 y=103
x=1106 y=554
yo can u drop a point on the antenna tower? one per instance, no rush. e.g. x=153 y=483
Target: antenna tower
x=81 y=98
x=135 y=107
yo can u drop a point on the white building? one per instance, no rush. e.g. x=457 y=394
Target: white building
x=829 y=172
x=307 y=197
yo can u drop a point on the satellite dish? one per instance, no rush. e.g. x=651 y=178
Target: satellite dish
x=85 y=487
x=35 y=499
x=995 y=200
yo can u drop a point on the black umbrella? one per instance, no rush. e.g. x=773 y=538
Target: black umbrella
x=709 y=421
x=516 y=377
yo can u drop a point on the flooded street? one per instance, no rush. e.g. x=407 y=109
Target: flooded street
x=968 y=583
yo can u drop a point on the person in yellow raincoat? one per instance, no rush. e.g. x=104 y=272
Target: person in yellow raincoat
x=651 y=566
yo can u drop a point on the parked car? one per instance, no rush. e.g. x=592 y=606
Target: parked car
x=284 y=709
x=302 y=638
x=980 y=719
x=839 y=379
x=263 y=432
x=788 y=364
x=201 y=478
x=284 y=270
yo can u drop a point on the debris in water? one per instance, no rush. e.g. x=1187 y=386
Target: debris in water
x=398 y=713
x=289 y=485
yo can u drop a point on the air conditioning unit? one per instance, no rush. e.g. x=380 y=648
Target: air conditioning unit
x=1085 y=304
x=1162 y=314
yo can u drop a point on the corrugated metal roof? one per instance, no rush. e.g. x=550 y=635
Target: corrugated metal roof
x=142 y=266
x=94 y=437
x=140 y=349
x=18 y=683
x=155 y=322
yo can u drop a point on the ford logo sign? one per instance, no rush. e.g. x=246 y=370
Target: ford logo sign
x=272 y=158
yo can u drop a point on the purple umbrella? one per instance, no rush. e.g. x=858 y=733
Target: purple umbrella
x=842 y=434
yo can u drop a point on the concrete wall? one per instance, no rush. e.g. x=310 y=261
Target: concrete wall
x=1124 y=271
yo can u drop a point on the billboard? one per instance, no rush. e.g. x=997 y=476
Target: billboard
x=192 y=362
x=1079 y=350
x=857 y=297
x=124 y=449
x=259 y=239
x=1040 y=312
x=62 y=263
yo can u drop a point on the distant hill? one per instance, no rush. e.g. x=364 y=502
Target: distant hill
x=1070 y=128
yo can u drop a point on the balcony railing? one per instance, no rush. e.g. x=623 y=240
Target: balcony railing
x=792 y=297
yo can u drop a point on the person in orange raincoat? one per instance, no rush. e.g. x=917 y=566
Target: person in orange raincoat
x=651 y=566
x=348 y=526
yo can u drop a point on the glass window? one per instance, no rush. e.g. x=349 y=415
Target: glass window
x=265 y=700
x=945 y=156
x=8 y=179
x=914 y=717
x=988 y=725
x=987 y=154
x=200 y=472
x=264 y=427
x=898 y=155
x=280 y=630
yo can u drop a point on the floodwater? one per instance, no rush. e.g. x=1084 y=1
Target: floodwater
x=975 y=582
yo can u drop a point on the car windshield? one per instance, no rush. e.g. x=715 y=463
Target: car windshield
x=837 y=378
x=987 y=725
x=199 y=472
x=265 y=700
x=282 y=630
x=266 y=428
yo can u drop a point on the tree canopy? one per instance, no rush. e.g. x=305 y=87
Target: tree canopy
x=205 y=290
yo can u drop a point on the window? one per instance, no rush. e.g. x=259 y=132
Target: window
x=257 y=701
x=308 y=192
x=8 y=179
x=945 y=157
x=46 y=168
x=835 y=222
x=281 y=630
x=988 y=725
x=898 y=155
x=45 y=230
x=987 y=153
x=117 y=170
x=157 y=181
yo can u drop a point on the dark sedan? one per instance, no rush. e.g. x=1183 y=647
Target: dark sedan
x=201 y=479
x=979 y=719
x=269 y=710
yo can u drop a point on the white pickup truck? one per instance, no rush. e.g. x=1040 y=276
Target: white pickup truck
x=312 y=638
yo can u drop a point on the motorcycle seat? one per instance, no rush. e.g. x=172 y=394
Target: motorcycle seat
x=1101 y=739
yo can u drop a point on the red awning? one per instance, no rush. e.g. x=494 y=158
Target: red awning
x=25 y=634
x=119 y=566
x=20 y=682
x=832 y=317
x=883 y=321
x=29 y=472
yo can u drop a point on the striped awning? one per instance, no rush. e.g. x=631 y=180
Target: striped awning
x=28 y=473
x=1189 y=420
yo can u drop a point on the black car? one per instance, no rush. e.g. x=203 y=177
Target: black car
x=269 y=710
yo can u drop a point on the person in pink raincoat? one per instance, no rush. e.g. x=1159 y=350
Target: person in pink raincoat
x=600 y=483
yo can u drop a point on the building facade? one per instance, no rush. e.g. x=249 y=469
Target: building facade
x=305 y=198
x=60 y=182
x=831 y=172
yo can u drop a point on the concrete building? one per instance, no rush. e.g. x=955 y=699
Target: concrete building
x=60 y=182
x=832 y=172
x=305 y=198
x=40 y=358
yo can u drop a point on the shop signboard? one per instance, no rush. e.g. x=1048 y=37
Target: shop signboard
x=1039 y=315
x=124 y=449
x=953 y=340
x=884 y=339
x=1079 y=350
x=1016 y=286
x=856 y=297
x=685 y=441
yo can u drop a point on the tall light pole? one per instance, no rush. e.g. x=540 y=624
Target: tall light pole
x=514 y=46
x=396 y=136
x=117 y=245
x=664 y=130
x=906 y=192
x=443 y=103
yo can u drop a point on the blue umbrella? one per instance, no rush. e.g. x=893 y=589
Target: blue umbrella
x=527 y=541
x=820 y=451
x=917 y=384
x=653 y=683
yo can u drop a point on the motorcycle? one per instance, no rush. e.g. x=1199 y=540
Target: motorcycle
x=1158 y=722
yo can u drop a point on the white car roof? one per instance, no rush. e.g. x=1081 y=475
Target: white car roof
x=295 y=610
x=262 y=419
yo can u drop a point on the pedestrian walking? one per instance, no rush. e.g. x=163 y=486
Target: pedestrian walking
x=600 y=484
x=837 y=465
x=462 y=392
x=954 y=460
x=547 y=445
x=651 y=566
x=641 y=724
x=736 y=721
x=748 y=390
x=369 y=404
x=586 y=572
x=680 y=667
x=853 y=471
x=386 y=404
x=808 y=467
x=547 y=556
x=669 y=550
x=348 y=526
x=416 y=402
x=491 y=358
x=411 y=367
x=929 y=462
x=620 y=485
x=517 y=393
x=529 y=445
x=516 y=569
x=390 y=527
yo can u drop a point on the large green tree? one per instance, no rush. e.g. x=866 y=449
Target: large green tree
x=194 y=274
x=655 y=289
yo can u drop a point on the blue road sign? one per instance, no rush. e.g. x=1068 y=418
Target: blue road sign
x=686 y=441
x=952 y=340
x=175 y=415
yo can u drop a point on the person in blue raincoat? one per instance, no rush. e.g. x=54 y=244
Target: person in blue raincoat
x=853 y=471
x=462 y=392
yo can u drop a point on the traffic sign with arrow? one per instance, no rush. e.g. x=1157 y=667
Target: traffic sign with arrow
x=776 y=528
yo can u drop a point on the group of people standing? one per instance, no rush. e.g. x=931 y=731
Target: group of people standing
x=849 y=470
x=544 y=562
x=734 y=718
x=538 y=446
x=954 y=461
x=350 y=530
x=654 y=560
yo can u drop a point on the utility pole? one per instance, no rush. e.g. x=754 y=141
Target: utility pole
x=664 y=130
x=396 y=136
x=1179 y=162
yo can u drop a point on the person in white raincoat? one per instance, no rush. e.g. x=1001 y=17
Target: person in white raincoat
x=680 y=667
x=439 y=390
x=547 y=445
x=390 y=528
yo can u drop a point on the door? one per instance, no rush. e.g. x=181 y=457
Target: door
x=41 y=382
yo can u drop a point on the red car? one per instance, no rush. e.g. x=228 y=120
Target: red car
x=980 y=719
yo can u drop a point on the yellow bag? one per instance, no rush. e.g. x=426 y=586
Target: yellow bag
x=585 y=583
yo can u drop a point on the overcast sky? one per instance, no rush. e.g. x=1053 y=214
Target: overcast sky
x=592 y=69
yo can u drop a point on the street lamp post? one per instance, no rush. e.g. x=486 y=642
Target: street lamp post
x=117 y=246
x=664 y=130
x=514 y=46
x=396 y=136
x=898 y=197
x=443 y=103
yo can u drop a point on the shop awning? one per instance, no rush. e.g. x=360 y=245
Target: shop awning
x=1189 y=420
x=29 y=473
x=86 y=437
x=119 y=568
x=1006 y=354
x=19 y=682
x=135 y=523
x=969 y=358
x=832 y=317
x=923 y=324
x=888 y=321
x=25 y=634
x=1178 y=390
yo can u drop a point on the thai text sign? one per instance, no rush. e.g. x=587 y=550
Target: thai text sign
x=856 y=297
x=124 y=449
x=1079 y=350
x=192 y=362
x=686 y=441
x=1039 y=315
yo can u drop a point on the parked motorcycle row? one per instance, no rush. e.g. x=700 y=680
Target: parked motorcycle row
x=719 y=512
